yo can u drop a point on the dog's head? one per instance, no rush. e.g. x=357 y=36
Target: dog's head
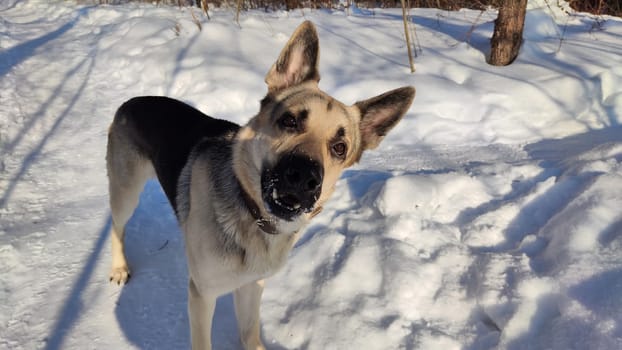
x=291 y=154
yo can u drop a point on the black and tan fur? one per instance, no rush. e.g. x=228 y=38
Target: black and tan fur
x=242 y=194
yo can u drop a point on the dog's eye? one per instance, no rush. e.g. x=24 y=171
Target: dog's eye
x=339 y=149
x=288 y=121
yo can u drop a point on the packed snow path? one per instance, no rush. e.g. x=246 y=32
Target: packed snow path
x=490 y=218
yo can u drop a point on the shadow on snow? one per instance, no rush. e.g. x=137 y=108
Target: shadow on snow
x=152 y=307
x=74 y=305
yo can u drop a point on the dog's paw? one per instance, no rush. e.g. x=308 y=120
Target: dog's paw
x=119 y=275
x=259 y=346
x=254 y=345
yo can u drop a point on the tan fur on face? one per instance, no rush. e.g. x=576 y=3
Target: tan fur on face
x=262 y=142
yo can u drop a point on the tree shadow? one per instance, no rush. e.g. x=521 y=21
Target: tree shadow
x=9 y=4
x=35 y=152
x=562 y=159
x=600 y=294
x=555 y=152
x=361 y=47
x=559 y=158
x=612 y=232
x=546 y=310
x=24 y=51
x=74 y=305
x=179 y=60
x=19 y=53
x=459 y=32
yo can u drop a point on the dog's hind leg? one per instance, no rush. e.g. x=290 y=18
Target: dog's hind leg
x=127 y=173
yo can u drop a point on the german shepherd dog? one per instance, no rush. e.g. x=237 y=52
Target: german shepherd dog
x=242 y=194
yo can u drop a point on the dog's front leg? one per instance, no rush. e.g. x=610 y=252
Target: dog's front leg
x=247 y=299
x=201 y=311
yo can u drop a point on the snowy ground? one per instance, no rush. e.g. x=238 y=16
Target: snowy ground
x=490 y=218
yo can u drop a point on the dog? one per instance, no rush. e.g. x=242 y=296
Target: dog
x=242 y=194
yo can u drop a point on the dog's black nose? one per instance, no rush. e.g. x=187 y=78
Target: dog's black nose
x=292 y=186
x=302 y=174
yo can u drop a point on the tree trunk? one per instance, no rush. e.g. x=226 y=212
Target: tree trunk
x=237 y=12
x=205 y=8
x=508 y=34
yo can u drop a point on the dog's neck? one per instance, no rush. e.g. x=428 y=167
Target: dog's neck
x=266 y=225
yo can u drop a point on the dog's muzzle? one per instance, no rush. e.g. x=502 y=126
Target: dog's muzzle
x=292 y=186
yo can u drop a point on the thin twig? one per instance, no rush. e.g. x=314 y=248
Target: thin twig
x=410 y=54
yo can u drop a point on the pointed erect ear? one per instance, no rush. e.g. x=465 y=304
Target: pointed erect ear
x=298 y=60
x=381 y=113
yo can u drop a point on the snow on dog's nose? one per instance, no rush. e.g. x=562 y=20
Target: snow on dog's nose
x=292 y=186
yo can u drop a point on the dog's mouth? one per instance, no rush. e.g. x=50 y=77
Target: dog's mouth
x=292 y=187
x=285 y=206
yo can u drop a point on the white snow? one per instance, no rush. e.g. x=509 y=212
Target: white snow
x=490 y=218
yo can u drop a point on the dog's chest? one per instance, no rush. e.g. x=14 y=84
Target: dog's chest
x=221 y=271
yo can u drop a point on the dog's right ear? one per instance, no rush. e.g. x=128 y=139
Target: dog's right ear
x=298 y=60
x=381 y=113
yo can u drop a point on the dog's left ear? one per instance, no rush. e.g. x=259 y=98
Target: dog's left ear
x=298 y=60
x=381 y=113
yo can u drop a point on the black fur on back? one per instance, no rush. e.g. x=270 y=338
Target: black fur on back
x=166 y=131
